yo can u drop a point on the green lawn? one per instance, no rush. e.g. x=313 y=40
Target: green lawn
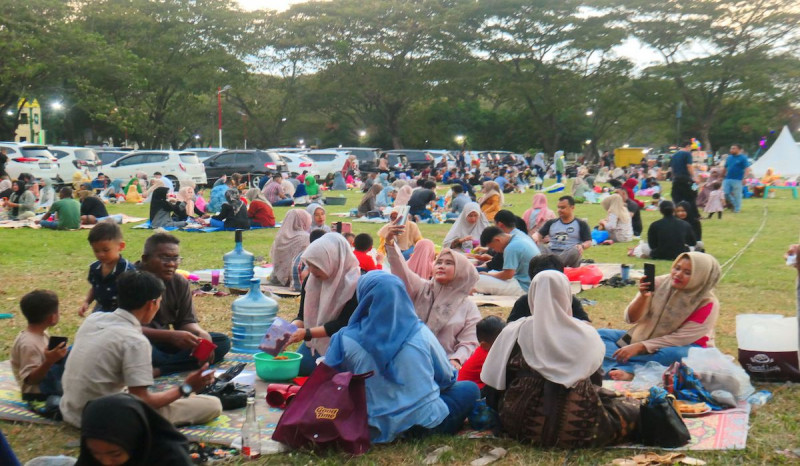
x=758 y=282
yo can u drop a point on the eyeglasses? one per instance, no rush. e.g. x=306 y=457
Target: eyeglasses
x=168 y=259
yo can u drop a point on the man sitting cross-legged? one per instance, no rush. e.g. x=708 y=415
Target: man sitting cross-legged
x=111 y=353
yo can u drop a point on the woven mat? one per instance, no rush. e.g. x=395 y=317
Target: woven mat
x=222 y=431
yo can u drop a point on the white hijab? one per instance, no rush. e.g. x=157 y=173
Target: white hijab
x=562 y=349
x=462 y=227
x=325 y=299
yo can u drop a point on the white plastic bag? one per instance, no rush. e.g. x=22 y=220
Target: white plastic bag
x=717 y=371
x=647 y=376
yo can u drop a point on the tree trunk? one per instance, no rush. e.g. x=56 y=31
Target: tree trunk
x=705 y=137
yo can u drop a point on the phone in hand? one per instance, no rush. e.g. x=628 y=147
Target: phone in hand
x=650 y=275
x=624 y=341
x=55 y=342
x=402 y=214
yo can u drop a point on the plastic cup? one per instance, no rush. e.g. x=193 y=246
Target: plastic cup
x=203 y=350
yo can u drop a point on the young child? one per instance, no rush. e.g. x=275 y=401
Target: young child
x=38 y=369
x=351 y=238
x=487 y=331
x=107 y=244
x=716 y=200
x=363 y=245
x=655 y=203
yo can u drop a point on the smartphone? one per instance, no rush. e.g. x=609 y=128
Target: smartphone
x=338 y=227
x=650 y=275
x=624 y=341
x=55 y=342
x=402 y=213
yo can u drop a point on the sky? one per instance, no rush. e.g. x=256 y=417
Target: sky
x=279 y=5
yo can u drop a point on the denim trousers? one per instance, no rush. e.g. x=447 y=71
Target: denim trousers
x=170 y=360
x=733 y=193
x=664 y=356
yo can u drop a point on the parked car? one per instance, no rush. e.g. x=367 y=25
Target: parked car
x=72 y=159
x=204 y=152
x=417 y=159
x=297 y=163
x=178 y=166
x=30 y=158
x=437 y=158
x=367 y=157
x=327 y=161
x=252 y=163
x=109 y=156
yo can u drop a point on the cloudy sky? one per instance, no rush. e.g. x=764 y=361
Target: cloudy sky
x=271 y=4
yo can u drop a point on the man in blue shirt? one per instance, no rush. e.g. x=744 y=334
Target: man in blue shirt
x=736 y=167
x=683 y=178
x=517 y=250
x=501 y=180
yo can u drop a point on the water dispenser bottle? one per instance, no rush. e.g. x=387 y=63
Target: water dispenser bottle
x=238 y=266
x=253 y=314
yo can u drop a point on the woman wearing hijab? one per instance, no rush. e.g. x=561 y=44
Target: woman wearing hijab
x=680 y=314
x=317 y=213
x=133 y=191
x=47 y=194
x=682 y=210
x=468 y=227
x=260 y=210
x=122 y=429
x=492 y=200
x=544 y=393
x=232 y=214
x=164 y=211
x=369 y=201
x=339 y=183
x=312 y=188
x=406 y=240
x=217 y=197
x=5 y=188
x=538 y=214
x=21 y=203
x=443 y=301
x=155 y=184
x=539 y=165
x=291 y=240
x=714 y=175
x=421 y=261
x=386 y=197
x=629 y=184
x=328 y=296
x=413 y=387
x=403 y=195
x=618 y=220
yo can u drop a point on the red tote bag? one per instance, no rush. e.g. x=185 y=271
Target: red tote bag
x=330 y=410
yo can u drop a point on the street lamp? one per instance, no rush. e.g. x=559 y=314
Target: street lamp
x=220 y=90
x=460 y=139
x=10 y=112
x=56 y=105
x=589 y=112
x=362 y=133
x=588 y=141
x=302 y=143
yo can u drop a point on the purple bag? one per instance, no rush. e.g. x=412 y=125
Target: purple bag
x=330 y=410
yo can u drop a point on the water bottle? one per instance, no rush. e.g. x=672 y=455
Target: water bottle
x=759 y=398
x=238 y=266
x=253 y=314
x=251 y=432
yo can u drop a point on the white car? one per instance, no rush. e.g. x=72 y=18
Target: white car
x=30 y=158
x=204 y=152
x=327 y=161
x=298 y=163
x=178 y=166
x=72 y=159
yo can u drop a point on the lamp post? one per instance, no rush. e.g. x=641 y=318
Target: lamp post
x=56 y=106
x=220 y=90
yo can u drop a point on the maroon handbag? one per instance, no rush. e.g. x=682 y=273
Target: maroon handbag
x=330 y=410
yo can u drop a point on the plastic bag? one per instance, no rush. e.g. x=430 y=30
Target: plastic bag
x=717 y=371
x=647 y=376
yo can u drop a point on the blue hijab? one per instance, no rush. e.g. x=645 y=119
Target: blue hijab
x=383 y=199
x=338 y=182
x=383 y=321
x=383 y=179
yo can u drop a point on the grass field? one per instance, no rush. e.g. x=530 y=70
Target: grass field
x=758 y=282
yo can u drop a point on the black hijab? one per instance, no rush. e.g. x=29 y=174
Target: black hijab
x=159 y=202
x=16 y=196
x=130 y=423
x=694 y=222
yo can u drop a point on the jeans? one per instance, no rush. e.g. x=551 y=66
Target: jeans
x=450 y=215
x=733 y=193
x=309 y=362
x=407 y=253
x=216 y=223
x=117 y=218
x=423 y=214
x=664 y=356
x=459 y=398
x=282 y=202
x=49 y=224
x=170 y=360
x=558 y=177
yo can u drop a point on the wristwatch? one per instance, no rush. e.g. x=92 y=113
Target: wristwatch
x=308 y=336
x=186 y=390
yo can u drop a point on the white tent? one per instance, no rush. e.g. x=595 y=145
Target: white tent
x=783 y=157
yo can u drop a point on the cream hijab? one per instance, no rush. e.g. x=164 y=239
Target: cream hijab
x=403 y=196
x=669 y=308
x=325 y=299
x=437 y=303
x=562 y=349
x=491 y=188
x=614 y=204
x=462 y=227
x=291 y=240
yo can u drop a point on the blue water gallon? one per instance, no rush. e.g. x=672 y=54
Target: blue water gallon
x=238 y=266
x=253 y=313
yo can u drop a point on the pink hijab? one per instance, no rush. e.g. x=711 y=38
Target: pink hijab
x=291 y=240
x=403 y=196
x=544 y=214
x=421 y=261
x=325 y=299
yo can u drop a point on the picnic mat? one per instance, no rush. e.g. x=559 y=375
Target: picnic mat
x=492 y=300
x=718 y=430
x=30 y=224
x=222 y=431
x=197 y=229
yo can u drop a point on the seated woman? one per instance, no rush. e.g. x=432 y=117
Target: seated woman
x=770 y=178
x=317 y=213
x=21 y=203
x=113 y=191
x=133 y=191
x=541 y=368
x=538 y=214
x=421 y=261
x=413 y=389
x=93 y=209
x=634 y=210
x=682 y=210
x=467 y=228
x=47 y=194
x=492 y=200
x=369 y=203
x=312 y=188
x=406 y=240
x=218 y=195
x=5 y=188
x=443 y=301
x=260 y=210
x=666 y=238
x=162 y=210
x=155 y=184
x=186 y=197
x=386 y=197
x=403 y=195
x=291 y=240
x=618 y=220
x=328 y=296
x=122 y=429
x=679 y=314
x=233 y=214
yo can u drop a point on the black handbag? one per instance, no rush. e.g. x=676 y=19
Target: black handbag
x=661 y=425
x=231 y=395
